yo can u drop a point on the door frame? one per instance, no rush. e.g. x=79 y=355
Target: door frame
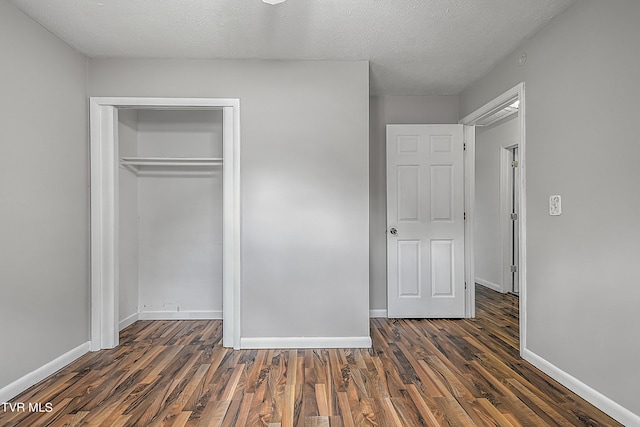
x=104 y=211
x=506 y=169
x=507 y=98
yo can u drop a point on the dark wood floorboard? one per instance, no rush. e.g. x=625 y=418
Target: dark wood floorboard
x=418 y=373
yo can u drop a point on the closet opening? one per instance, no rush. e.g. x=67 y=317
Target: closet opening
x=165 y=213
x=170 y=215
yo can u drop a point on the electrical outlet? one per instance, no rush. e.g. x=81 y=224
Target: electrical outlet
x=555 y=205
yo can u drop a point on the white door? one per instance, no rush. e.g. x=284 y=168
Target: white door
x=425 y=221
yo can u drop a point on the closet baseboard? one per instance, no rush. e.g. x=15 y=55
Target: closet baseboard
x=169 y=315
x=180 y=315
x=21 y=384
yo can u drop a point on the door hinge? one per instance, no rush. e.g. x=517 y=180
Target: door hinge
x=465 y=285
x=514 y=216
x=514 y=164
x=514 y=268
x=464 y=216
x=464 y=146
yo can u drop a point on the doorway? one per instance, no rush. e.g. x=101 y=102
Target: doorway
x=105 y=202
x=494 y=111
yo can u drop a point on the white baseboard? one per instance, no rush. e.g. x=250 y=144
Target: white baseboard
x=597 y=399
x=488 y=284
x=170 y=315
x=128 y=321
x=180 y=315
x=378 y=313
x=21 y=384
x=305 y=342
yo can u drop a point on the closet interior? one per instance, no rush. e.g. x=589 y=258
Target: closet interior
x=169 y=214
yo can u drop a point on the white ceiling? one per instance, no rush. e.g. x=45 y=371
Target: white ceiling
x=416 y=47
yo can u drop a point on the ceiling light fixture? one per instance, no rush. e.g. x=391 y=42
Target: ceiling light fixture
x=273 y=2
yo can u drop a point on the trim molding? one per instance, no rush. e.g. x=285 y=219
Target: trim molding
x=380 y=312
x=180 y=315
x=104 y=211
x=597 y=399
x=506 y=193
x=305 y=342
x=128 y=321
x=469 y=153
x=21 y=384
x=170 y=315
x=490 y=285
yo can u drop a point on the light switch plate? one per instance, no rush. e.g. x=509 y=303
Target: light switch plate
x=555 y=205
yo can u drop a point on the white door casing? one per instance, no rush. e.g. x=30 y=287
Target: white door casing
x=515 y=237
x=517 y=93
x=104 y=208
x=508 y=236
x=425 y=221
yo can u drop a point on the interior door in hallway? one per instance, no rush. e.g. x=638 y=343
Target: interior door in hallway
x=425 y=221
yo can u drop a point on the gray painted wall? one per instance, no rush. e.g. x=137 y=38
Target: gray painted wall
x=44 y=207
x=305 y=182
x=487 y=234
x=180 y=215
x=582 y=96
x=386 y=110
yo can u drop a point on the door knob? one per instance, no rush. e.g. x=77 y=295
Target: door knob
x=393 y=231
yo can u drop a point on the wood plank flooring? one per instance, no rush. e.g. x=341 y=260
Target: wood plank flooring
x=418 y=373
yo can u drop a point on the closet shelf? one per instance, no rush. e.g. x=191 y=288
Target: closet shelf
x=141 y=164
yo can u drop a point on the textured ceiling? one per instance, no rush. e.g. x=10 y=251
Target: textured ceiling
x=416 y=47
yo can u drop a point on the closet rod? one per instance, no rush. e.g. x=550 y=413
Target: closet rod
x=134 y=164
x=171 y=161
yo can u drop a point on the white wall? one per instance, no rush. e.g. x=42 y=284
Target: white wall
x=128 y=288
x=582 y=94
x=44 y=205
x=304 y=178
x=386 y=110
x=180 y=215
x=487 y=233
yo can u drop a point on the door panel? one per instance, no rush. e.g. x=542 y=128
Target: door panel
x=409 y=268
x=408 y=193
x=442 y=193
x=442 y=268
x=425 y=203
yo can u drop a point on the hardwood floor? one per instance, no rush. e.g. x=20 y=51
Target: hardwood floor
x=419 y=372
